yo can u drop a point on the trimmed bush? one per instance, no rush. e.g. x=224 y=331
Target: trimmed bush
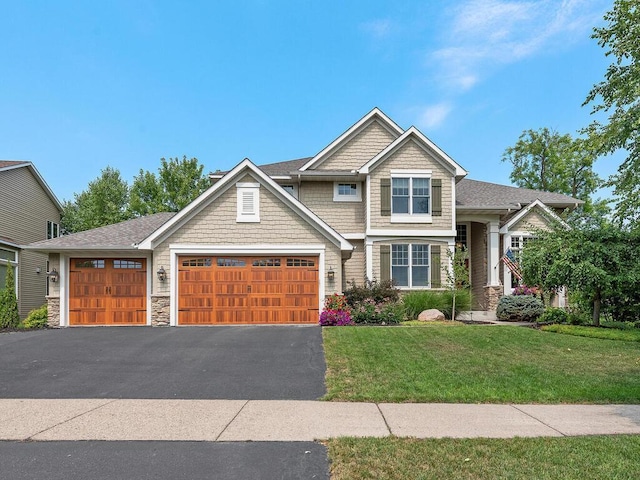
x=379 y=292
x=37 y=318
x=554 y=315
x=417 y=301
x=519 y=308
x=9 y=316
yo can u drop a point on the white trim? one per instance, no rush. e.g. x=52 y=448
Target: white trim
x=354 y=236
x=411 y=217
x=221 y=186
x=453 y=203
x=63 y=275
x=386 y=122
x=347 y=198
x=248 y=191
x=391 y=232
x=369 y=258
x=295 y=193
x=493 y=253
x=175 y=250
x=406 y=173
x=421 y=141
x=368 y=204
x=523 y=213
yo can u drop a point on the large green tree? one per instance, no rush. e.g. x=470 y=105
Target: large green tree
x=177 y=183
x=9 y=316
x=545 y=160
x=601 y=262
x=618 y=97
x=104 y=202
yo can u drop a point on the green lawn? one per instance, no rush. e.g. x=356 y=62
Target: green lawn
x=595 y=332
x=478 y=364
x=579 y=458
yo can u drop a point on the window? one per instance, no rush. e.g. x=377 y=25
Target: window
x=90 y=264
x=347 y=192
x=461 y=236
x=231 y=262
x=517 y=244
x=267 y=262
x=248 y=202
x=8 y=258
x=300 y=262
x=410 y=196
x=291 y=190
x=197 y=262
x=127 y=264
x=410 y=265
x=53 y=230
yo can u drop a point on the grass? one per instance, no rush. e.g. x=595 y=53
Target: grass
x=610 y=457
x=477 y=364
x=595 y=332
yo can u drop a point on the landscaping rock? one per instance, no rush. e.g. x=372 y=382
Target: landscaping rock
x=432 y=315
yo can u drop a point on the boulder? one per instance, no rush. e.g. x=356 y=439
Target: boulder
x=432 y=315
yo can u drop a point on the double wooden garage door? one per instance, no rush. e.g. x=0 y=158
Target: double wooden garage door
x=235 y=290
x=107 y=291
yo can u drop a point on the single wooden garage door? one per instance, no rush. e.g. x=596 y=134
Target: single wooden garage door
x=107 y=291
x=235 y=290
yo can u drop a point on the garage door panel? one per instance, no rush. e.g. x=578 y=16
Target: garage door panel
x=248 y=290
x=107 y=292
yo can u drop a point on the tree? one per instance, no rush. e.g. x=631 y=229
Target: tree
x=545 y=160
x=9 y=316
x=618 y=95
x=601 y=262
x=104 y=202
x=177 y=184
x=457 y=273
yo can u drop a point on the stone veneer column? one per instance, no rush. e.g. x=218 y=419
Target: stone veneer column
x=492 y=294
x=53 y=311
x=160 y=313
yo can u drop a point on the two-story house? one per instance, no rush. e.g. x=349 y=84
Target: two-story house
x=29 y=212
x=267 y=244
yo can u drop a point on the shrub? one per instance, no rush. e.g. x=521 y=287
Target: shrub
x=335 y=318
x=37 y=318
x=379 y=292
x=336 y=302
x=554 y=315
x=524 y=308
x=9 y=316
x=524 y=290
x=417 y=301
x=370 y=312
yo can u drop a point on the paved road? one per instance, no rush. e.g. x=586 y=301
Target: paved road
x=162 y=460
x=239 y=362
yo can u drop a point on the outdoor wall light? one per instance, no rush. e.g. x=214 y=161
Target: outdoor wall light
x=331 y=275
x=38 y=270
x=53 y=275
x=162 y=275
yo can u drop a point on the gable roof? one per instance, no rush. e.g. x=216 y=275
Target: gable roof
x=119 y=236
x=547 y=212
x=206 y=198
x=11 y=164
x=422 y=140
x=477 y=195
x=373 y=115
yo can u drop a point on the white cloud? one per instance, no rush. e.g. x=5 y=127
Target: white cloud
x=484 y=33
x=433 y=116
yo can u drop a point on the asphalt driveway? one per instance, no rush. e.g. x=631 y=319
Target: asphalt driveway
x=239 y=362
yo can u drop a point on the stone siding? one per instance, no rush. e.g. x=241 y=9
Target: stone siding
x=53 y=311
x=492 y=294
x=160 y=310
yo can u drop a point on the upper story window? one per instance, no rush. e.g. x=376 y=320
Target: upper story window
x=291 y=190
x=347 y=192
x=248 y=202
x=53 y=230
x=410 y=196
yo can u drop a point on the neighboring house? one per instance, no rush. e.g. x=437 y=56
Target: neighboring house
x=267 y=244
x=29 y=212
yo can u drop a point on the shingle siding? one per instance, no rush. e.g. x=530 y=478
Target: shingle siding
x=411 y=156
x=345 y=217
x=216 y=225
x=355 y=267
x=530 y=221
x=360 y=149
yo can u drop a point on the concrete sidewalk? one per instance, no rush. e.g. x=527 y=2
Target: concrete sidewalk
x=284 y=420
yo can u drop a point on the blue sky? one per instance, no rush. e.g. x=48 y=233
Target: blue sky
x=85 y=85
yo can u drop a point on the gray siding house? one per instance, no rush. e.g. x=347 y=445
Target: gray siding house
x=267 y=244
x=29 y=212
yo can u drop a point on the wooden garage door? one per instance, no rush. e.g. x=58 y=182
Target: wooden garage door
x=107 y=291
x=235 y=290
